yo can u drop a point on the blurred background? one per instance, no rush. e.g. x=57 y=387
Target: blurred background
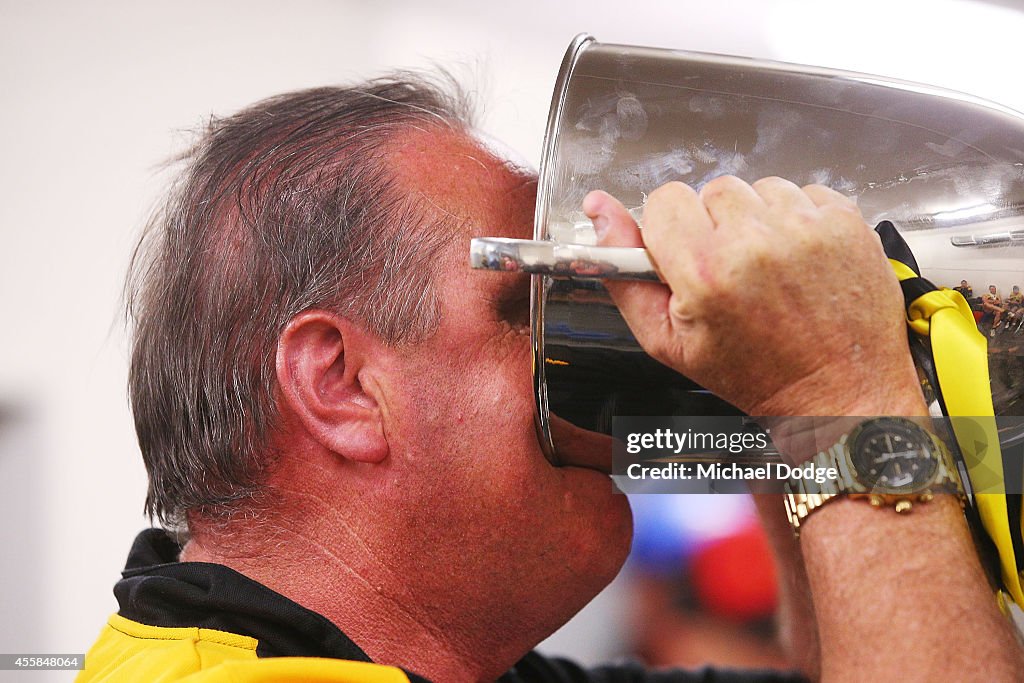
x=96 y=95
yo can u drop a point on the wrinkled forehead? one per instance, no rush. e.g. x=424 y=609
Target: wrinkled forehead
x=461 y=178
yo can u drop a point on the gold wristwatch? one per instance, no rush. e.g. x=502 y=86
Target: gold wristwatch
x=888 y=461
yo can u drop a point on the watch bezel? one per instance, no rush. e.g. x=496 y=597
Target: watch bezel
x=868 y=485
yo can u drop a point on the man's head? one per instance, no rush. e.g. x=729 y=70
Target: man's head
x=315 y=365
x=992 y=289
x=1016 y=289
x=963 y=283
x=287 y=205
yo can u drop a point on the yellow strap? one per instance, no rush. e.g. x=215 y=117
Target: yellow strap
x=902 y=270
x=960 y=353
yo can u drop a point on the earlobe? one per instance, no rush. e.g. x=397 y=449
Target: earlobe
x=319 y=362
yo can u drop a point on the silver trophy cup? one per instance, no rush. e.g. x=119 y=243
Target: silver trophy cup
x=945 y=168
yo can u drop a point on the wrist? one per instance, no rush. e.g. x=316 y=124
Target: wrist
x=839 y=391
x=895 y=462
x=880 y=578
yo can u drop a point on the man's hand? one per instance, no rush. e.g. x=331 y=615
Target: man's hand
x=781 y=301
x=778 y=299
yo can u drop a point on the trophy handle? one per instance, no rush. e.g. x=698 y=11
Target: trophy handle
x=561 y=260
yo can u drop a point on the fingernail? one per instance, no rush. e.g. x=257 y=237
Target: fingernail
x=600 y=222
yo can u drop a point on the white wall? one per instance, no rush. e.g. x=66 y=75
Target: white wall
x=946 y=265
x=95 y=95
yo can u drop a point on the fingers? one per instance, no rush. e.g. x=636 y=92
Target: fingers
x=840 y=207
x=729 y=201
x=675 y=221
x=782 y=195
x=643 y=304
x=787 y=244
x=823 y=196
x=676 y=205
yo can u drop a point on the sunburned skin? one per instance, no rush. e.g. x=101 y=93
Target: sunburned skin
x=433 y=446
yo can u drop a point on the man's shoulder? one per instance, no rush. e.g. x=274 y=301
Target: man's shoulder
x=128 y=651
x=195 y=622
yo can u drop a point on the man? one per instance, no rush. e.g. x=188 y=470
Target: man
x=1014 y=302
x=965 y=289
x=337 y=414
x=992 y=303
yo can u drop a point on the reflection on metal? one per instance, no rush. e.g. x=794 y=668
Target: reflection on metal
x=1011 y=237
x=628 y=119
x=967 y=214
x=561 y=260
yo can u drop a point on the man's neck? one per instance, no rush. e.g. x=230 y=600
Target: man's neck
x=366 y=601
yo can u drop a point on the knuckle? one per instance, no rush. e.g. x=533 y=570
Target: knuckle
x=676 y=306
x=796 y=219
x=826 y=196
x=664 y=207
x=846 y=213
x=772 y=181
x=669 y=192
x=719 y=186
x=806 y=217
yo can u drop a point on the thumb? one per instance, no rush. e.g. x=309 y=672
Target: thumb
x=644 y=305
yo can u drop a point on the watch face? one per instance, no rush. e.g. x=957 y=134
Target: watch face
x=894 y=456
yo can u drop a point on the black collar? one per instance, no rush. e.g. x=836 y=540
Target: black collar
x=158 y=590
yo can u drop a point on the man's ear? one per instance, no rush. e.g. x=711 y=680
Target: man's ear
x=319 y=358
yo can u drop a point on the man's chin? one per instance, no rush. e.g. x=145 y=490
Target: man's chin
x=604 y=521
x=586 y=458
x=614 y=541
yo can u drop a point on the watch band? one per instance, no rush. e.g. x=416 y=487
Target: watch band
x=799 y=506
x=804 y=496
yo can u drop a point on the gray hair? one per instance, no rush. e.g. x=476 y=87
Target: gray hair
x=288 y=205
